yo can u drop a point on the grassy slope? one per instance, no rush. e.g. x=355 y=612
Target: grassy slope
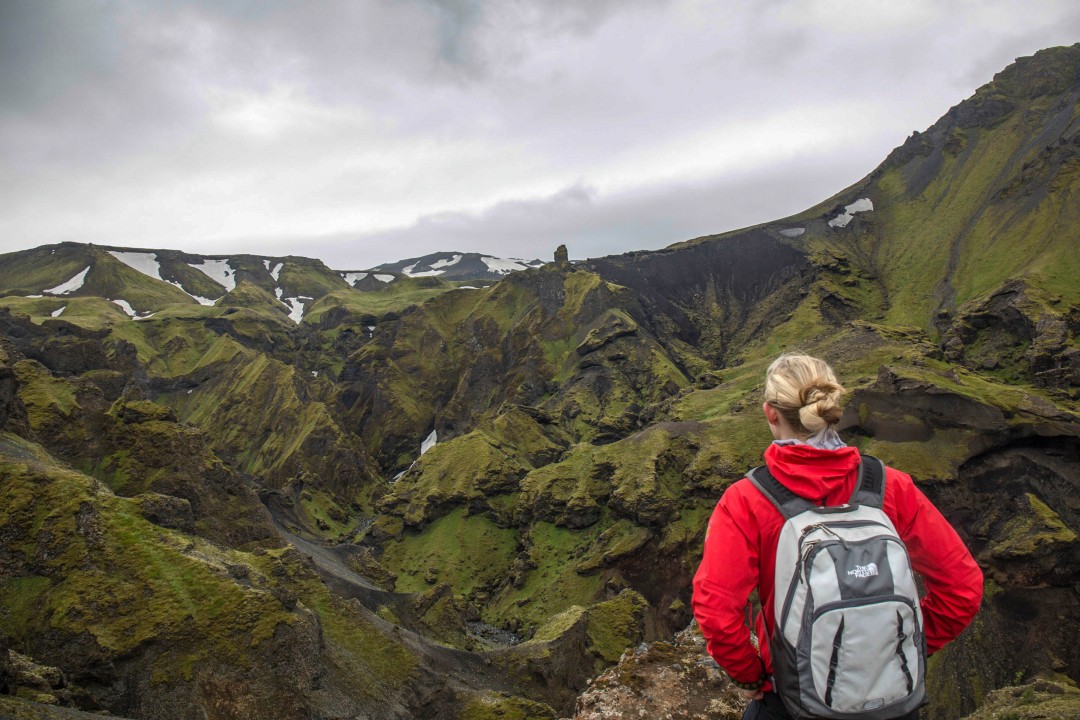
x=32 y=271
x=91 y=564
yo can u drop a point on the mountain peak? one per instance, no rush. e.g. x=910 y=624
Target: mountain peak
x=458 y=266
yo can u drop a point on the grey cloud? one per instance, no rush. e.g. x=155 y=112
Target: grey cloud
x=593 y=224
x=112 y=127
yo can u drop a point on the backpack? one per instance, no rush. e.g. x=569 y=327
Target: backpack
x=848 y=643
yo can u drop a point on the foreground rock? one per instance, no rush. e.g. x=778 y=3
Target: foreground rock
x=679 y=681
x=676 y=680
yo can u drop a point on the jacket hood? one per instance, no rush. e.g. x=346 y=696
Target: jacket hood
x=825 y=477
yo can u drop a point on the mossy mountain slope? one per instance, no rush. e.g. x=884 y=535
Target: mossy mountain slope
x=538 y=457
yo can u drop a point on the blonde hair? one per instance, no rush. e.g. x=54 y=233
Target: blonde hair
x=805 y=391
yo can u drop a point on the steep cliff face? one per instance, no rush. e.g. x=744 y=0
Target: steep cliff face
x=716 y=296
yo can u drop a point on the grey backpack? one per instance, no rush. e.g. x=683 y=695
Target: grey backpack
x=848 y=642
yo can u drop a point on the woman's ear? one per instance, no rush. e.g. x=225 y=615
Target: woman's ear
x=774 y=419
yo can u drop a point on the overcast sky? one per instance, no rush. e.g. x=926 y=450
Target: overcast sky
x=366 y=131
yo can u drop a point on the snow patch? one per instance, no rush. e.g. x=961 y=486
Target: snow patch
x=861 y=205
x=793 y=232
x=219 y=271
x=126 y=307
x=429 y=442
x=275 y=272
x=384 y=278
x=467 y=287
x=352 y=277
x=436 y=268
x=58 y=313
x=424 y=273
x=71 y=285
x=296 y=306
x=278 y=292
x=444 y=263
x=503 y=267
x=147 y=264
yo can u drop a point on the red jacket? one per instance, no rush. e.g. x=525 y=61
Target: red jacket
x=740 y=548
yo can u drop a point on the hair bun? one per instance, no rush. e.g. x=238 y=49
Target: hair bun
x=821 y=405
x=805 y=391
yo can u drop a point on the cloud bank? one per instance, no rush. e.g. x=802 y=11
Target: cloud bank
x=363 y=132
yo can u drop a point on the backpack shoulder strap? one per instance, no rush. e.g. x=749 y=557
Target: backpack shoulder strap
x=788 y=503
x=870 y=487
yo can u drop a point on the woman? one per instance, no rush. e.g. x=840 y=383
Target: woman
x=807 y=456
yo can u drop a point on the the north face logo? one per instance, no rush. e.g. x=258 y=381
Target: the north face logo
x=864 y=571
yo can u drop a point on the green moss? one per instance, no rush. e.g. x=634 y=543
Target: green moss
x=741 y=389
x=610 y=626
x=497 y=706
x=559 y=624
x=37 y=309
x=567 y=488
x=616 y=624
x=1030 y=532
x=804 y=324
x=639 y=486
x=269 y=419
x=32 y=271
x=249 y=295
x=467 y=551
x=47 y=399
x=19 y=598
x=957 y=228
x=388 y=615
x=1050 y=698
x=115 y=471
x=469 y=469
x=934 y=460
x=112 y=575
x=687 y=532
x=305 y=277
x=991 y=588
x=550 y=584
x=378 y=662
x=731 y=445
x=325 y=515
x=395 y=297
x=560 y=356
x=621 y=540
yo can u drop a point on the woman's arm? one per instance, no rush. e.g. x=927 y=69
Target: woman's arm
x=954 y=582
x=723 y=583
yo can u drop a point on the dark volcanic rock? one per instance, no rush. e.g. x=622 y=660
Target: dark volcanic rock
x=710 y=293
x=167 y=511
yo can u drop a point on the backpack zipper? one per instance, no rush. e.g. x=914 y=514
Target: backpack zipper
x=809 y=551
